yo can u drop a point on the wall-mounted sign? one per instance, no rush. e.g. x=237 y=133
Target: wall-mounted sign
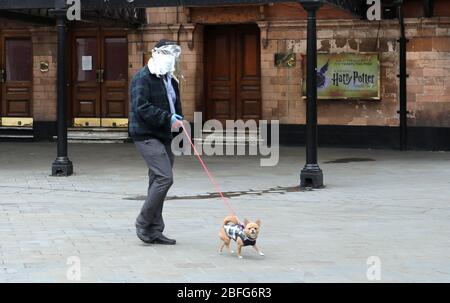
x=347 y=76
x=285 y=59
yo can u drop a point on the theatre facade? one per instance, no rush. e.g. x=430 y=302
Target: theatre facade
x=238 y=62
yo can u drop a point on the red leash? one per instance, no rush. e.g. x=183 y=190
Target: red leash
x=225 y=200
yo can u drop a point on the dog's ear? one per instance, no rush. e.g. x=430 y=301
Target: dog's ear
x=246 y=222
x=258 y=222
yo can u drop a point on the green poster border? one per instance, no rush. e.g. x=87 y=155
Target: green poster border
x=377 y=98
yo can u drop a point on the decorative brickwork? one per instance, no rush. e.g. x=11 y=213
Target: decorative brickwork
x=428 y=62
x=283 y=29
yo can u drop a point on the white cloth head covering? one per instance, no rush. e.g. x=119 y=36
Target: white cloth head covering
x=163 y=59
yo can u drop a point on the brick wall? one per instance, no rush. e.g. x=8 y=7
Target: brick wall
x=44 y=49
x=282 y=97
x=44 y=83
x=429 y=69
x=283 y=28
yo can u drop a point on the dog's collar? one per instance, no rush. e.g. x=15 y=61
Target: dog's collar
x=248 y=241
x=247 y=237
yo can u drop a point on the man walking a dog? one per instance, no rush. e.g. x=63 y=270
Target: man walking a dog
x=155 y=110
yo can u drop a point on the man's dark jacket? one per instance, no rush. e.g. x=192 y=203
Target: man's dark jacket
x=150 y=110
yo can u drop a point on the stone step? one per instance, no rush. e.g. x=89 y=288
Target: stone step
x=88 y=135
x=230 y=139
x=98 y=129
x=96 y=141
x=97 y=135
x=15 y=133
x=239 y=132
x=238 y=138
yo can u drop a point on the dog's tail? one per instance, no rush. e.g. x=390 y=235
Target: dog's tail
x=230 y=219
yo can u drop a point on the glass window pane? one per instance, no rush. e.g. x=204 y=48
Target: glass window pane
x=86 y=50
x=18 y=59
x=116 y=59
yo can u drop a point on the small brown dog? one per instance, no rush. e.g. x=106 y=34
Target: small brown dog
x=244 y=234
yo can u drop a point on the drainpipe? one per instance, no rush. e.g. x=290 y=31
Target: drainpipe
x=403 y=76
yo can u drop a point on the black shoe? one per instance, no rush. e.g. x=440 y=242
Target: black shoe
x=164 y=240
x=143 y=235
x=168 y=239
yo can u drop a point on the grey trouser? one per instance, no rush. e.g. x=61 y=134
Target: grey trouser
x=159 y=159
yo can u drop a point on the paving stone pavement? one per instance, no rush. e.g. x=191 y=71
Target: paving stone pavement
x=395 y=207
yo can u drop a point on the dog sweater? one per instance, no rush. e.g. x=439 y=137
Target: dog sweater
x=234 y=231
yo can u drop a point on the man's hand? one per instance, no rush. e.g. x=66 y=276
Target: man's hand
x=175 y=120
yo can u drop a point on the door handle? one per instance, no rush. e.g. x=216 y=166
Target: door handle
x=100 y=75
x=97 y=75
x=2 y=76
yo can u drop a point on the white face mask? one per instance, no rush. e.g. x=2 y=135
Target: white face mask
x=163 y=60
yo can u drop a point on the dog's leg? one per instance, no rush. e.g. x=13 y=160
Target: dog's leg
x=221 y=246
x=229 y=248
x=258 y=250
x=239 y=248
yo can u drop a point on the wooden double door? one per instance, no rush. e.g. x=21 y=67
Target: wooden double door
x=233 y=72
x=99 y=77
x=16 y=74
